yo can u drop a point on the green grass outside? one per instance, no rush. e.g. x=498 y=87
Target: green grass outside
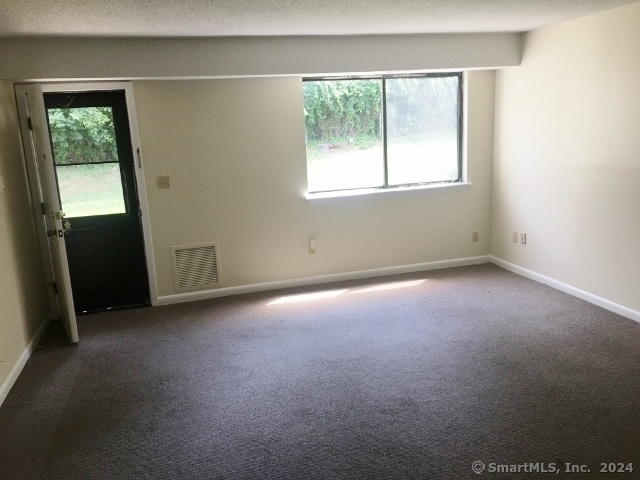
x=88 y=190
x=358 y=162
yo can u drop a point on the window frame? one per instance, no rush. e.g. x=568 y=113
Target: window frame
x=404 y=187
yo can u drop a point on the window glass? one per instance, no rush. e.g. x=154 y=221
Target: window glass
x=86 y=161
x=92 y=189
x=344 y=135
x=422 y=129
x=382 y=132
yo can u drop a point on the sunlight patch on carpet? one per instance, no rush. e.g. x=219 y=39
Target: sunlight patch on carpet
x=389 y=286
x=302 y=297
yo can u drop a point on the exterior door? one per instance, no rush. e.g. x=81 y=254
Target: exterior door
x=95 y=184
x=49 y=224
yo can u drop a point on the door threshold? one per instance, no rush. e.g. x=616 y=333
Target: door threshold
x=112 y=309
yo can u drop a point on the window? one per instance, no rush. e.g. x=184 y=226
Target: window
x=86 y=161
x=383 y=132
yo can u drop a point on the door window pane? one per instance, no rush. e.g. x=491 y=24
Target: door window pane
x=86 y=160
x=82 y=135
x=90 y=189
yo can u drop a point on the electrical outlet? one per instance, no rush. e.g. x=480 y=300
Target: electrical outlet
x=474 y=236
x=523 y=238
x=515 y=237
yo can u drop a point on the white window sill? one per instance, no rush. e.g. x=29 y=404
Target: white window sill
x=367 y=193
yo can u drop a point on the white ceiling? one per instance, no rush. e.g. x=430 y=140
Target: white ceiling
x=196 y=18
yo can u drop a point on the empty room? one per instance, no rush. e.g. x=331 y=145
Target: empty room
x=291 y=240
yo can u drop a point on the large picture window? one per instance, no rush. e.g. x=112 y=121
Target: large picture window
x=383 y=132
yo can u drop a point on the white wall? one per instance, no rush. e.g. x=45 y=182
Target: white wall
x=23 y=302
x=235 y=152
x=126 y=58
x=567 y=164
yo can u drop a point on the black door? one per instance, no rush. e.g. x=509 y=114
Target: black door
x=95 y=171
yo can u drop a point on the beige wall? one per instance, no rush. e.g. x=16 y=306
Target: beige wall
x=23 y=303
x=145 y=58
x=235 y=152
x=567 y=166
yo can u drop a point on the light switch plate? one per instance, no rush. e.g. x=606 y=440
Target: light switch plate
x=164 y=182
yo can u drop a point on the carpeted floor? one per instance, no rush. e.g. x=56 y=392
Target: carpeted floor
x=410 y=376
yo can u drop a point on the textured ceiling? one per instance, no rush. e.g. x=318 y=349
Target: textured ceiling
x=195 y=18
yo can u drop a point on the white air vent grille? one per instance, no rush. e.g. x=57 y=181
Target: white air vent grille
x=196 y=267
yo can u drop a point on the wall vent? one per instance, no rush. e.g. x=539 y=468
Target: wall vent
x=196 y=267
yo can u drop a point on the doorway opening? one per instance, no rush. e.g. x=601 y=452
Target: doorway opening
x=95 y=175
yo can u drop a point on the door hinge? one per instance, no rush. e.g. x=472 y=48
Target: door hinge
x=43 y=209
x=139 y=159
x=29 y=123
x=54 y=286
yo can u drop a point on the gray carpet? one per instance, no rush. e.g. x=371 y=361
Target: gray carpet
x=418 y=381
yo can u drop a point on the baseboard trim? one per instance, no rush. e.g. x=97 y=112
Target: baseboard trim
x=22 y=360
x=563 y=287
x=337 y=277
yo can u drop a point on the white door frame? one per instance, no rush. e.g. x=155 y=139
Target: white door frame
x=138 y=169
